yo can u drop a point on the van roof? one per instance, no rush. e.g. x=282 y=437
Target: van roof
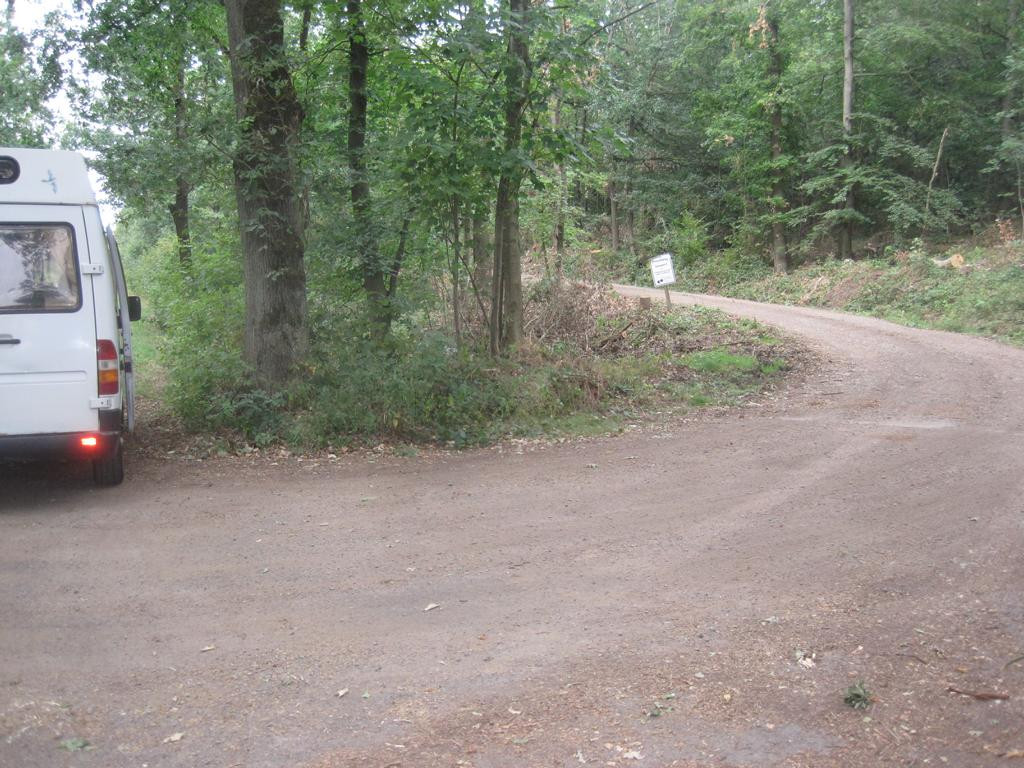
x=45 y=176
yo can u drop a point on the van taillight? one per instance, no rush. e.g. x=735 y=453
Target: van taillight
x=107 y=367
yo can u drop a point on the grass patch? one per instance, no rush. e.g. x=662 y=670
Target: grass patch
x=720 y=361
x=719 y=376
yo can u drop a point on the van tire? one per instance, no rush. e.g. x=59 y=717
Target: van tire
x=110 y=469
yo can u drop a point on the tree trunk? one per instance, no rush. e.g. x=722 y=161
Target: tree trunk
x=396 y=263
x=499 y=280
x=1010 y=103
x=1009 y=98
x=269 y=208
x=556 y=125
x=506 y=281
x=846 y=228
x=935 y=172
x=578 y=197
x=780 y=259
x=180 y=216
x=456 y=225
x=481 y=249
x=613 y=212
x=481 y=271
x=179 y=208
x=367 y=249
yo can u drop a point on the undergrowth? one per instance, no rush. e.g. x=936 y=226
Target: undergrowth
x=592 y=362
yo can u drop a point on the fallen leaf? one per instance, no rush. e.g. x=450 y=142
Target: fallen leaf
x=208 y=648
x=515 y=711
x=431 y=607
x=74 y=745
x=632 y=755
x=174 y=737
x=342 y=692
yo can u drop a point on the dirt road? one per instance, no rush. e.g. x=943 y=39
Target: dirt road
x=700 y=595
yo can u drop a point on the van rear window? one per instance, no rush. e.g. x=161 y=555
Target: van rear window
x=38 y=268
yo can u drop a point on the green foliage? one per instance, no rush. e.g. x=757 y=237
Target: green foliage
x=858 y=696
x=197 y=319
x=689 y=240
x=723 y=270
x=162 y=110
x=29 y=75
x=418 y=388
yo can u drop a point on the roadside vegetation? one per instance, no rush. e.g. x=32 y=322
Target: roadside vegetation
x=971 y=287
x=592 y=362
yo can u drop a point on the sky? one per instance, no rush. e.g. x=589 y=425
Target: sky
x=28 y=17
x=29 y=14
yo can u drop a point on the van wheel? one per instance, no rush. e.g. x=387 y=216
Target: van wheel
x=110 y=469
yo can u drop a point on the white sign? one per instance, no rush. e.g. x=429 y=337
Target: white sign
x=662 y=271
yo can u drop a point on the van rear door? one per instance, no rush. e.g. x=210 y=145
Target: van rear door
x=47 y=322
x=124 y=322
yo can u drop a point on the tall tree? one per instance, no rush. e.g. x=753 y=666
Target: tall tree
x=267 y=189
x=1009 y=97
x=846 y=227
x=158 y=118
x=780 y=258
x=506 y=281
x=374 y=274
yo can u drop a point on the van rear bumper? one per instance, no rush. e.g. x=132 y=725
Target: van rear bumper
x=62 y=445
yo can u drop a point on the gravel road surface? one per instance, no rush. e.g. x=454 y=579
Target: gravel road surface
x=700 y=594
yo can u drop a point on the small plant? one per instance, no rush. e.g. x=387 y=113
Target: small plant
x=858 y=696
x=75 y=744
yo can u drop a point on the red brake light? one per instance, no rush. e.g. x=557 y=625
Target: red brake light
x=107 y=366
x=89 y=442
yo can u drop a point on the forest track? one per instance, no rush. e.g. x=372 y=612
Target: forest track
x=700 y=595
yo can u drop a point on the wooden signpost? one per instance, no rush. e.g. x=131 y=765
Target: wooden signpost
x=664 y=274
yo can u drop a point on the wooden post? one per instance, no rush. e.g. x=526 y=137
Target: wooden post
x=668 y=298
x=935 y=171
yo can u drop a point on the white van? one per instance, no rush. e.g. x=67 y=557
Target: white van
x=66 y=385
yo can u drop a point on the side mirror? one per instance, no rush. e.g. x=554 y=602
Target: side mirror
x=134 y=308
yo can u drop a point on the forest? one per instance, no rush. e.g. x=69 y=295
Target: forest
x=354 y=217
